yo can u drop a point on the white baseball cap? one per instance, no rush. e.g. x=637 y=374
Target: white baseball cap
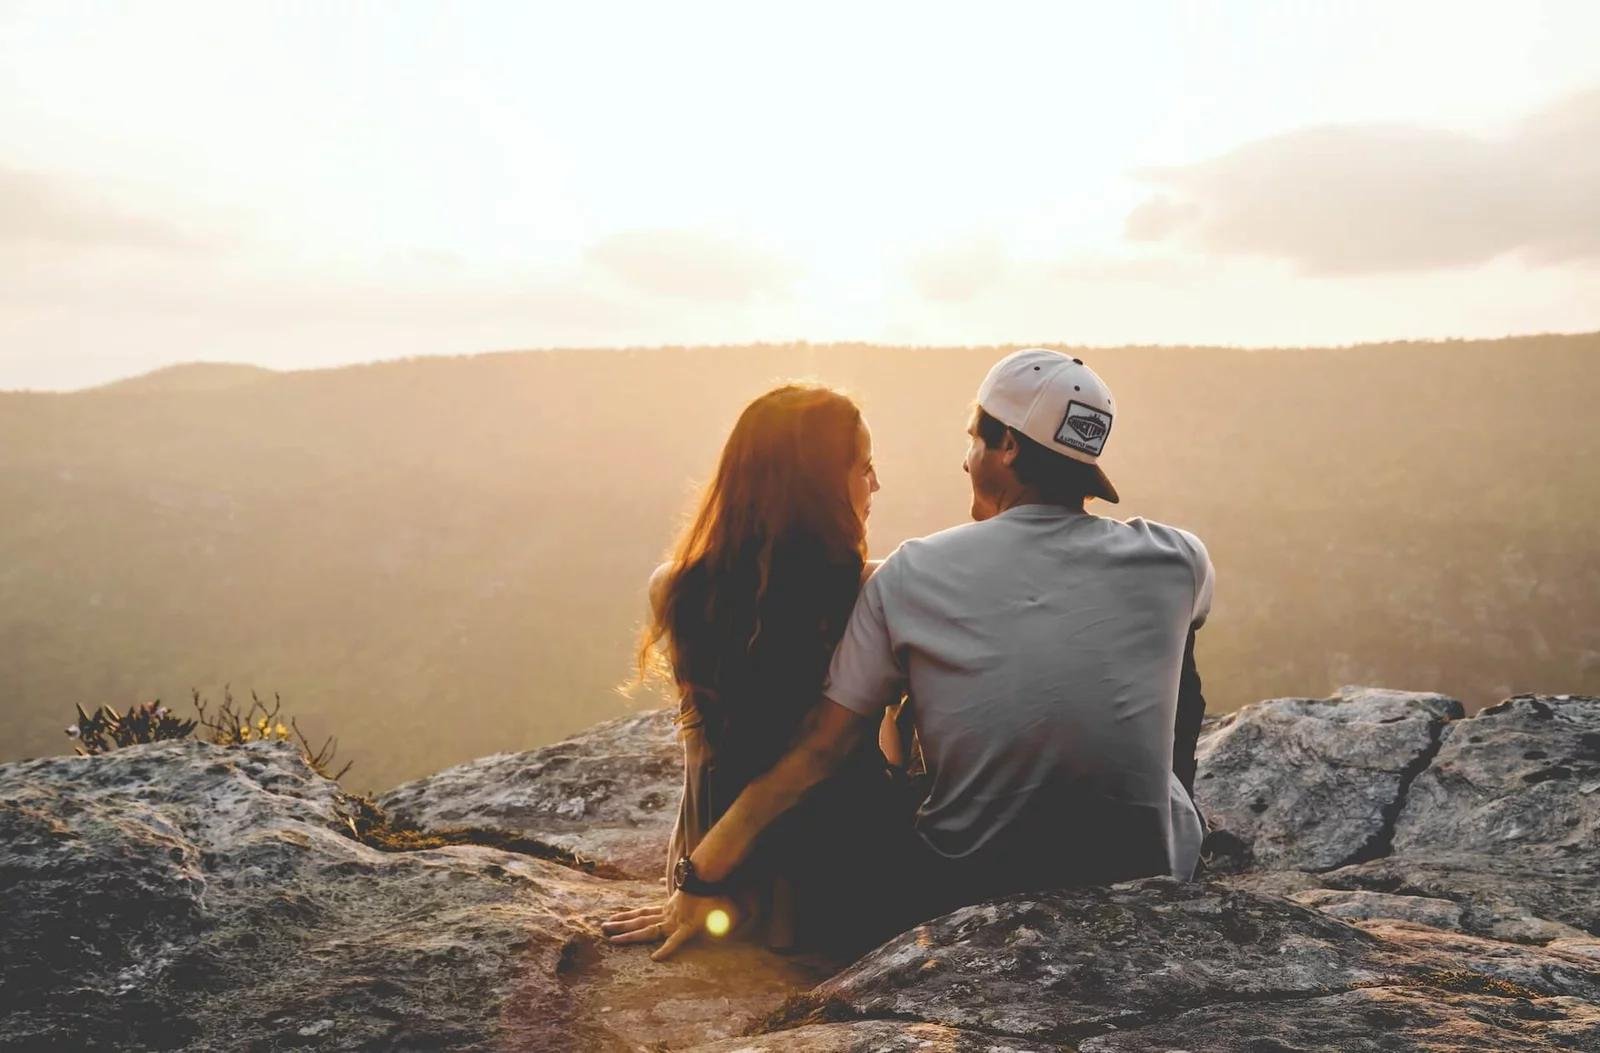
x=1055 y=400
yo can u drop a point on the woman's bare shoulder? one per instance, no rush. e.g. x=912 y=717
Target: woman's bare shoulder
x=658 y=586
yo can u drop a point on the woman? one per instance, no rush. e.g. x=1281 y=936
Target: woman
x=745 y=617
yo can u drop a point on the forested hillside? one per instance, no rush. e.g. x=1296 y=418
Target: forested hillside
x=441 y=558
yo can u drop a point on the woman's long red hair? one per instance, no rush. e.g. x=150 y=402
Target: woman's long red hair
x=762 y=578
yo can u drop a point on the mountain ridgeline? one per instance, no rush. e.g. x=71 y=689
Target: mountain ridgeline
x=441 y=558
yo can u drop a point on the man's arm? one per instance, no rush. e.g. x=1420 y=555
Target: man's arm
x=1191 y=710
x=829 y=734
x=864 y=676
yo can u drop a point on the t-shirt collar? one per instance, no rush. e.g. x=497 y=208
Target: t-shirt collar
x=1041 y=511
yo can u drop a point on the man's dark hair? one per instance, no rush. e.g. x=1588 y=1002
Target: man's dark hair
x=1058 y=478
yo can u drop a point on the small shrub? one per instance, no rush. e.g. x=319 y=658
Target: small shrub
x=233 y=726
x=108 y=730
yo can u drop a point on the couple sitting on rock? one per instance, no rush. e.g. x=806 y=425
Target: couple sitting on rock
x=1030 y=676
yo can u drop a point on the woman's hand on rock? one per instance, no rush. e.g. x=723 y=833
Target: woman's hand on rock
x=640 y=925
x=682 y=919
x=688 y=916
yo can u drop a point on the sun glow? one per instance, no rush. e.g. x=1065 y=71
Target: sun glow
x=331 y=183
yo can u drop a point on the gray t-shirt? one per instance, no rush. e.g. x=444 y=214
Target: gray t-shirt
x=1041 y=650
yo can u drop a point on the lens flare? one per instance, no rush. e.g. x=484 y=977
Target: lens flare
x=718 y=923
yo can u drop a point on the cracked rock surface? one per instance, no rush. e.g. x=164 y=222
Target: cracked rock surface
x=1338 y=768
x=609 y=794
x=1071 y=964
x=186 y=896
x=877 y=1036
x=1427 y=884
x=1520 y=781
x=1503 y=823
x=1371 y=1020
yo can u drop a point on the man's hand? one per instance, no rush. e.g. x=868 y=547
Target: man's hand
x=681 y=920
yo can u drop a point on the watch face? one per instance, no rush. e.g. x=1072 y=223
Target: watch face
x=680 y=871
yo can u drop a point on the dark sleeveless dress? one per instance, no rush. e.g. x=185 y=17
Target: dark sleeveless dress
x=811 y=867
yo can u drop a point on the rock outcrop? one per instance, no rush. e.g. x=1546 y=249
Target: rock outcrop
x=1385 y=874
x=185 y=896
x=1339 y=770
x=609 y=795
x=1125 y=964
x=1501 y=829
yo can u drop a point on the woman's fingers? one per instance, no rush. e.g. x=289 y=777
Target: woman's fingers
x=631 y=927
x=644 y=934
x=634 y=923
x=636 y=912
x=681 y=935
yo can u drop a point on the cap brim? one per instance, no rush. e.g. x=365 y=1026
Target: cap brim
x=1104 y=490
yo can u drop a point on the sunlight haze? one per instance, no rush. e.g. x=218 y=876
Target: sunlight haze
x=308 y=185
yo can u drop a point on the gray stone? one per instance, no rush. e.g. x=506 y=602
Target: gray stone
x=1502 y=901
x=1285 y=883
x=1065 y=964
x=609 y=794
x=188 y=895
x=1542 y=969
x=1356 y=905
x=1312 y=784
x=1369 y=1020
x=1501 y=822
x=876 y=1036
x=183 y=895
x=1586 y=946
x=1513 y=783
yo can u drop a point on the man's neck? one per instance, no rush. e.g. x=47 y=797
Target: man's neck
x=1030 y=496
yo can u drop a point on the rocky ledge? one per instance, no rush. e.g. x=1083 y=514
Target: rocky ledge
x=1384 y=873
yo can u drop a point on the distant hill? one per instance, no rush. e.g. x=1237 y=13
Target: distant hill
x=441 y=558
x=192 y=376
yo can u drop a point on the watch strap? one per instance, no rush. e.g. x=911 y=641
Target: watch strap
x=693 y=883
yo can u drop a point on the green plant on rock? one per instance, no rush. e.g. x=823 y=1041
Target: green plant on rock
x=106 y=729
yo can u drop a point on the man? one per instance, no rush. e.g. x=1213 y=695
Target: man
x=1043 y=650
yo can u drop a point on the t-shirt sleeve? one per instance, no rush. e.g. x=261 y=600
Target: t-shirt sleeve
x=1205 y=577
x=865 y=675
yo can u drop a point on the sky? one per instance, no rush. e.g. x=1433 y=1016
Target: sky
x=297 y=185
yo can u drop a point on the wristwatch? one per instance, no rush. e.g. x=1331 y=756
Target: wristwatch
x=684 y=877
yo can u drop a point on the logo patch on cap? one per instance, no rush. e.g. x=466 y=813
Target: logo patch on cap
x=1084 y=428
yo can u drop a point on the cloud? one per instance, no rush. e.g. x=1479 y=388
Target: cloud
x=57 y=211
x=1353 y=199
x=960 y=271
x=231 y=295
x=690 y=265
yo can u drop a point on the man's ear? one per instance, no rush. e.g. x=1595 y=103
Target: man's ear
x=1009 y=448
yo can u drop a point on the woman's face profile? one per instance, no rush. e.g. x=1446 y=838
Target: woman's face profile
x=863 y=478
